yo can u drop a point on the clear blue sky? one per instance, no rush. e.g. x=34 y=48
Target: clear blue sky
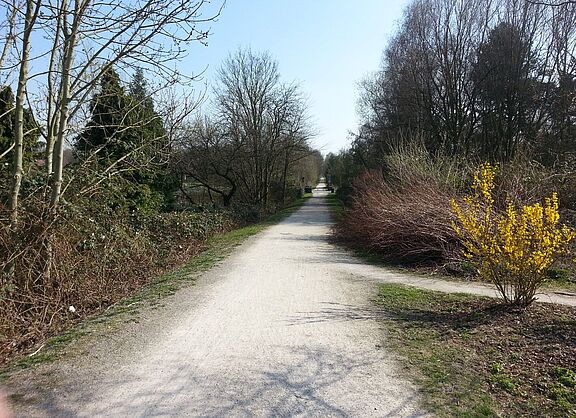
x=327 y=46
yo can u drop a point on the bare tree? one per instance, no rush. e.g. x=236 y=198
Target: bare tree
x=425 y=85
x=84 y=41
x=8 y=27
x=29 y=21
x=263 y=117
x=446 y=78
x=210 y=160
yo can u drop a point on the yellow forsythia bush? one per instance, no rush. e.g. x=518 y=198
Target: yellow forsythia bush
x=511 y=249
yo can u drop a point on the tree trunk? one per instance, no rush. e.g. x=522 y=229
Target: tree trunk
x=228 y=197
x=18 y=152
x=64 y=102
x=284 y=177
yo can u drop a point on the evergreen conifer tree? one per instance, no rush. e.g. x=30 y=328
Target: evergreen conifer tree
x=124 y=127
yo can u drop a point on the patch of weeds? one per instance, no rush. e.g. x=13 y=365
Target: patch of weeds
x=565 y=377
x=373 y=258
x=463 y=268
x=465 y=334
x=563 y=389
x=449 y=386
x=475 y=358
x=496 y=368
x=503 y=381
x=52 y=349
x=40 y=358
x=561 y=279
x=560 y=274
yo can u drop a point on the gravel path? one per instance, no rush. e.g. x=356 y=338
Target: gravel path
x=283 y=328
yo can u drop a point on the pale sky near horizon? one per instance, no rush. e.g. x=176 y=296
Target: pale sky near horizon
x=327 y=46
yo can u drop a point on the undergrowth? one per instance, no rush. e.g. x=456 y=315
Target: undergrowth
x=401 y=213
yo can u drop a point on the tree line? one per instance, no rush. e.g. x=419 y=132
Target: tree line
x=484 y=79
x=469 y=93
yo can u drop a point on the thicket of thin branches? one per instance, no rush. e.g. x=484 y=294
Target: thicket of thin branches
x=98 y=260
x=403 y=213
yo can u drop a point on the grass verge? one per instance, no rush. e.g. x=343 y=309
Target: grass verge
x=216 y=248
x=336 y=206
x=474 y=358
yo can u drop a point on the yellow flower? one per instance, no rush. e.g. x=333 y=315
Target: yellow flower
x=519 y=243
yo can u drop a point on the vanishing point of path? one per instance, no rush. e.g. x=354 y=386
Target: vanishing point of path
x=284 y=327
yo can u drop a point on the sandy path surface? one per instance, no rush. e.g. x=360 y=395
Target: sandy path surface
x=282 y=328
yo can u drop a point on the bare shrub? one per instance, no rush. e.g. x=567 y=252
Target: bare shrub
x=408 y=224
x=410 y=163
x=404 y=215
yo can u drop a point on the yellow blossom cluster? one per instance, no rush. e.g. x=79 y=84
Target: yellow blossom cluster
x=511 y=248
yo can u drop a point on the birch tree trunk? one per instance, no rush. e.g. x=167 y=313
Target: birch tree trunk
x=32 y=8
x=69 y=32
